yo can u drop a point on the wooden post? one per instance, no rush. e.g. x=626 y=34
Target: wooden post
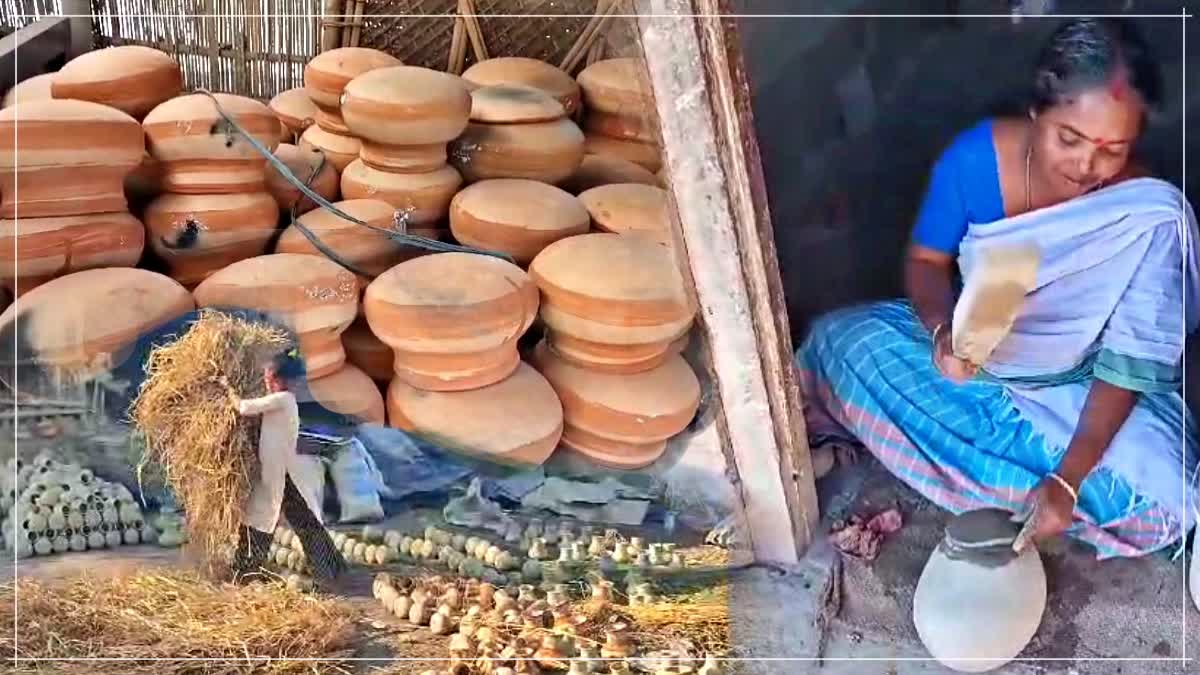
x=80 y=14
x=331 y=24
x=716 y=183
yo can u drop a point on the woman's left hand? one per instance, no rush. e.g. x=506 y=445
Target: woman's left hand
x=1048 y=513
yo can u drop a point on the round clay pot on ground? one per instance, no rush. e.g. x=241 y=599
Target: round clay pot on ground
x=130 y=78
x=370 y=250
x=313 y=296
x=36 y=88
x=528 y=72
x=73 y=159
x=197 y=235
x=295 y=110
x=367 y=352
x=302 y=162
x=515 y=216
x=348 y=391
x=340 y=150
x=515 y=422
x=646 y=155
x=201 y=153
x=327 y=74
x=630 y=208
x=46 y=248
x=423 y=199
x=597 y=170
x=85 y=322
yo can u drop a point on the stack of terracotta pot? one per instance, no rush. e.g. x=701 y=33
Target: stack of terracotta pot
x=325 y=79
x=215 y=209
x=617 y=318
x=620 y=119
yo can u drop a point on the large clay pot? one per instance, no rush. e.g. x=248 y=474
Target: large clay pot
x=130 y=78
x=46 y=248
x=313 y=296
x=630 y=208
x=201 y=153
x=349 y=391
x=632 y=416
x=340 y=150
x=452 y=319
x=369 y=250
x=327 y=74
x=597 y=170
x=367 y=352
x=405 y=116
x=295 y=110
x=423 y=199
x=515 y=216
x=36 y=88
x=85 y=322
x=302 y=162
x=73 y=158
x=528 y=72
x=197 y=235
x=617 y=86
x=646 y=155
x=516 y=422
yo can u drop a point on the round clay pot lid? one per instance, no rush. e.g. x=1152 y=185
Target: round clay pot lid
x=36 y=88
x=349 y=391
x=64 y=111
x=446 y=279
x=300 y=281
x=199 y=109
x=294 y=107
x=597 y=170
x=513 y=104
x=530 y=295
x=102 y=64
x=374 y=211
x=629 y=208
x=521 y=70
x=529 y=204
x=328 y=73
x=411 y=87
x=670 y=389
x=616 y=85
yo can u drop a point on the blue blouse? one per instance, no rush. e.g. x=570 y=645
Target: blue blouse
x=964 y=187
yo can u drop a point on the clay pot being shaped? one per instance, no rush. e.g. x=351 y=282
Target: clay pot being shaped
x=73 y=158
x=327 y=74
x=196 y=235
x=515 y=216
x=515 y=422
x=621 y=421
x=201 y=153
x=630 y=208
x=617 y=86
x=367 y=352
x=977 y=603
x=369 y=250
x=453 y=320
x=295 y=110
x=348 y=391
x=340 y=150
x=422 y=199
x=51 y=247
x=645 y=155
x=517 y=132
x=597 y=170
x=86 y=322
x=521 y=71
x=36 y=88
x=405 y=116
x=302 y=162
x=311 y=295
x=130 y=78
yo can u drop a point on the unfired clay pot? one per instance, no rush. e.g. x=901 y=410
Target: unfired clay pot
x=597 y=170
x=327 y=74
x=530 y=73
x=646 y=155
x=51 y=247
x=617 y=86
x=295 y=110
x=313 y=296
x=340 y=150
x=197 y=235
x=73 y=159
x=349 y=391
x=85 y=322
x=517 y=421
x=630 y=208
x=203 y=154
x=130 y=78
x=369 y=250
x=367 y=352
x=423 y=199
x=302 y=163
x=515 y=216
x=36 y=88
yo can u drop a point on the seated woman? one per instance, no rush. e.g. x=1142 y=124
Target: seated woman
x=1078 y=410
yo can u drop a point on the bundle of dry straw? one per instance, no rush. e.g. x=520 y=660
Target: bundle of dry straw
x=174 y=616
x=186 y=412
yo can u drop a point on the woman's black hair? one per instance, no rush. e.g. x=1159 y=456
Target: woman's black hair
x=288 y=365
x=1086 y=53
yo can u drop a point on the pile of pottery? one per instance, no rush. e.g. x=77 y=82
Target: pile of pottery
x=518 y=217
x=215 y=209
x=620 y=118
x=325 y=78
x=405 y=117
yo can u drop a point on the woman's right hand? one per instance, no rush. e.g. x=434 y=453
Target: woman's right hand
x=953 y=368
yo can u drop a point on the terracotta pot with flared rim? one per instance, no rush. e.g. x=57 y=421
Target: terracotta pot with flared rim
x=550 y=152
x=517 y=70
x=641 y=129
x=73 y=158
x=517 y=421
x=340 y=150
x=516 y=216
x=201 y=153
x=610 y=454
x=630 y=208
x=311 y=295
x=130 y=78
x=295 y=110
x=46 y=248
x=348 y=391
x=646 y=155
x=597 y=170
x=86 y=322
x=302 y=162
x=36 y=88
x=327 y=74
x=367 y=352
x=617 y=86
x=404 y=106
x=197 y=235
x=608 y=359
x=370 y=250
x=422 y=198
